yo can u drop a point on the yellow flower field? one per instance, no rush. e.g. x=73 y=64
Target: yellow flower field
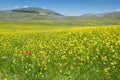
x=57 y=53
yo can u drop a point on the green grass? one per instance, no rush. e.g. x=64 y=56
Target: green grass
x=59 y=52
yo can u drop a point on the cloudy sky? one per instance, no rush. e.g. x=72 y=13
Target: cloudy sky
x=65 y=7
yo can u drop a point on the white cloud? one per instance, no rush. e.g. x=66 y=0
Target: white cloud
x=44 y=8
x=25 y=6
x=16 y=7
x=117 y=9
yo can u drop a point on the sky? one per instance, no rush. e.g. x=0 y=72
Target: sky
x=65 y=7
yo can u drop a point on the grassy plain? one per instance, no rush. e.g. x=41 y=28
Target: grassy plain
x=59 y=52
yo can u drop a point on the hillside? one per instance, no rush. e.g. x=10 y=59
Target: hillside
x=110 y=18
x=110 y=15
x=34 y=13
x=30 y=13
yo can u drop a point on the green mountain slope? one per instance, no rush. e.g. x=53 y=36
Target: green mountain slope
x=30 y=13
x=34 y=13
x=110 y=15
x=35 y=10
x=110 y=18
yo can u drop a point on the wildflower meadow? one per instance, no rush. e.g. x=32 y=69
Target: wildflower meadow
x=29 y=52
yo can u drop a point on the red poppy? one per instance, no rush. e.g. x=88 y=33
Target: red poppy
x=27 y=51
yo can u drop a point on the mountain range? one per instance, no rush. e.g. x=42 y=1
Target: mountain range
x=30 y=13
x=34 y=13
